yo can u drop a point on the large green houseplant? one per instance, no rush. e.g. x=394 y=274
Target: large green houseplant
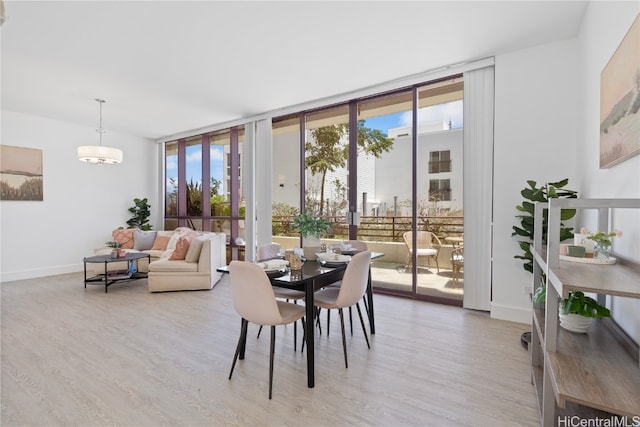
x=532 y=194
x=140 y=214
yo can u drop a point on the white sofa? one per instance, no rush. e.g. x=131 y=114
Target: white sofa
x=196 y=272
x=182 y=275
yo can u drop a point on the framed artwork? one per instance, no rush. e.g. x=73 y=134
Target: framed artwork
x=620 y=101
x=20 y=173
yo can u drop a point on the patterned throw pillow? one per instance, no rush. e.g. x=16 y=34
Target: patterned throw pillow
x=124 y=236
x=143 y=240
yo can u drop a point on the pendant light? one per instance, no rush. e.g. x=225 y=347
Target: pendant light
x=100 y=154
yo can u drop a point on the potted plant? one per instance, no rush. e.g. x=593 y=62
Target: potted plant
x=576 y=312
x=310 y=228
x=116 y=247
x=141 y=213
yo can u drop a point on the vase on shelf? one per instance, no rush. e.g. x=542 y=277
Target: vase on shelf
x=575 y=323
x=602 y=251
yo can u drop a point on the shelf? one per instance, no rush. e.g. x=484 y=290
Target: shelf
x=594 y=370
x=594 y=375
x=615 y=279
x=538 y=319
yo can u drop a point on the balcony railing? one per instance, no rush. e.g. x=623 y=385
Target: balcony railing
x=378 y=228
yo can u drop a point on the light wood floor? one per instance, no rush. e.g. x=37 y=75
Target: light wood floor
x=76 y=357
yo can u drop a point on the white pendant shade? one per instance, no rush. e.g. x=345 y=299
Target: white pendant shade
x=99 y=154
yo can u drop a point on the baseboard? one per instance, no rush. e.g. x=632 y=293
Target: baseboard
x=512 y=314
x=10 y=276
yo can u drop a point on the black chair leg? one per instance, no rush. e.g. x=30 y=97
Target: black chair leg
x=304 y=334
x=328 y=318
x=363 y=328
x=259 y=330
x=243 y=336
x=350 y=321
x=273 y=347
x=344 y=340
x=318 y=324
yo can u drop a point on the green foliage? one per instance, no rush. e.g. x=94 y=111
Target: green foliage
x=281 y=225
x=543 y=193
x=194 y=198
x=310 y=226
x=577 y=303
x=113 y=244
x=141 y=213
x=327 y=152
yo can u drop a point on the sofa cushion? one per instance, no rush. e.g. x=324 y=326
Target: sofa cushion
x=182 y=246
x=143 y=240
x=124 y=236
x=166 y=265
x=193 y=254
x=153 y=253
x=160 y=243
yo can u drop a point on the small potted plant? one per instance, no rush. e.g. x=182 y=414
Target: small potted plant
x=602 y=241
x=310 y=228
x=116 y=249
x=576 y=312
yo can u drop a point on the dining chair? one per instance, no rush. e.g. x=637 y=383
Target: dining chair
x=357 y=245
x=270 y=251
x=255 y=301
x=352 y=289
x=428 y=246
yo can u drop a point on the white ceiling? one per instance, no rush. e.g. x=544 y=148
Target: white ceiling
x=170 y=66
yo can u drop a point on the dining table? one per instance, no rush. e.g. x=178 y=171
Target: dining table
x=312 y=277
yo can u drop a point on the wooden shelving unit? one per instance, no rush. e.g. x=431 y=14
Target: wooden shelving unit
x=594 y=375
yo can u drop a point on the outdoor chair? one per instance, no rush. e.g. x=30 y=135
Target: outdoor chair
x=428 y=246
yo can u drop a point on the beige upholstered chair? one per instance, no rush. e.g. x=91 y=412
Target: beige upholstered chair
x=357 y=245
x=428 y=246
x=270 y=251
x=354 y=285
x=254 y=300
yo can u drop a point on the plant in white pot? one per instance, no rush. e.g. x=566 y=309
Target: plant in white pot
x=576 y=312
x=310 y=228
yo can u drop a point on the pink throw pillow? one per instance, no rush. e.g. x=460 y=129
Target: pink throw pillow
x=161 y=242
x=124 y=236
x=182 y=247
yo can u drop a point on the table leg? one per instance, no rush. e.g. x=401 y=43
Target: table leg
x=309 y=325
x=372 y=322
x=106 y=281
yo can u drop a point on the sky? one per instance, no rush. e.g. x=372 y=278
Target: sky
x=435 y=113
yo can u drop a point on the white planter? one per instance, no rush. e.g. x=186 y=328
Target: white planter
x=575 y=323
x=311 y=246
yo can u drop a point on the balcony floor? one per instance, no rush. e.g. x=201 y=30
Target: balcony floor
x=430 y=282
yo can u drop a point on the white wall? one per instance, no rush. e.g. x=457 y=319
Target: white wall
x=547 y=128
x=602 y=30
x=82 y=203
x=536 y=99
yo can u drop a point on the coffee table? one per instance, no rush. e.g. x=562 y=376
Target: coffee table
x=108 y=278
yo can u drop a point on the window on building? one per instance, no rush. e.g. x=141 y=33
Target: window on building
x=440 y=190
x=439 y=161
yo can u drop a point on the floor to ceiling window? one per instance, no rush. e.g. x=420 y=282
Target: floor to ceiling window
x=400 y=170
x=203 y=185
